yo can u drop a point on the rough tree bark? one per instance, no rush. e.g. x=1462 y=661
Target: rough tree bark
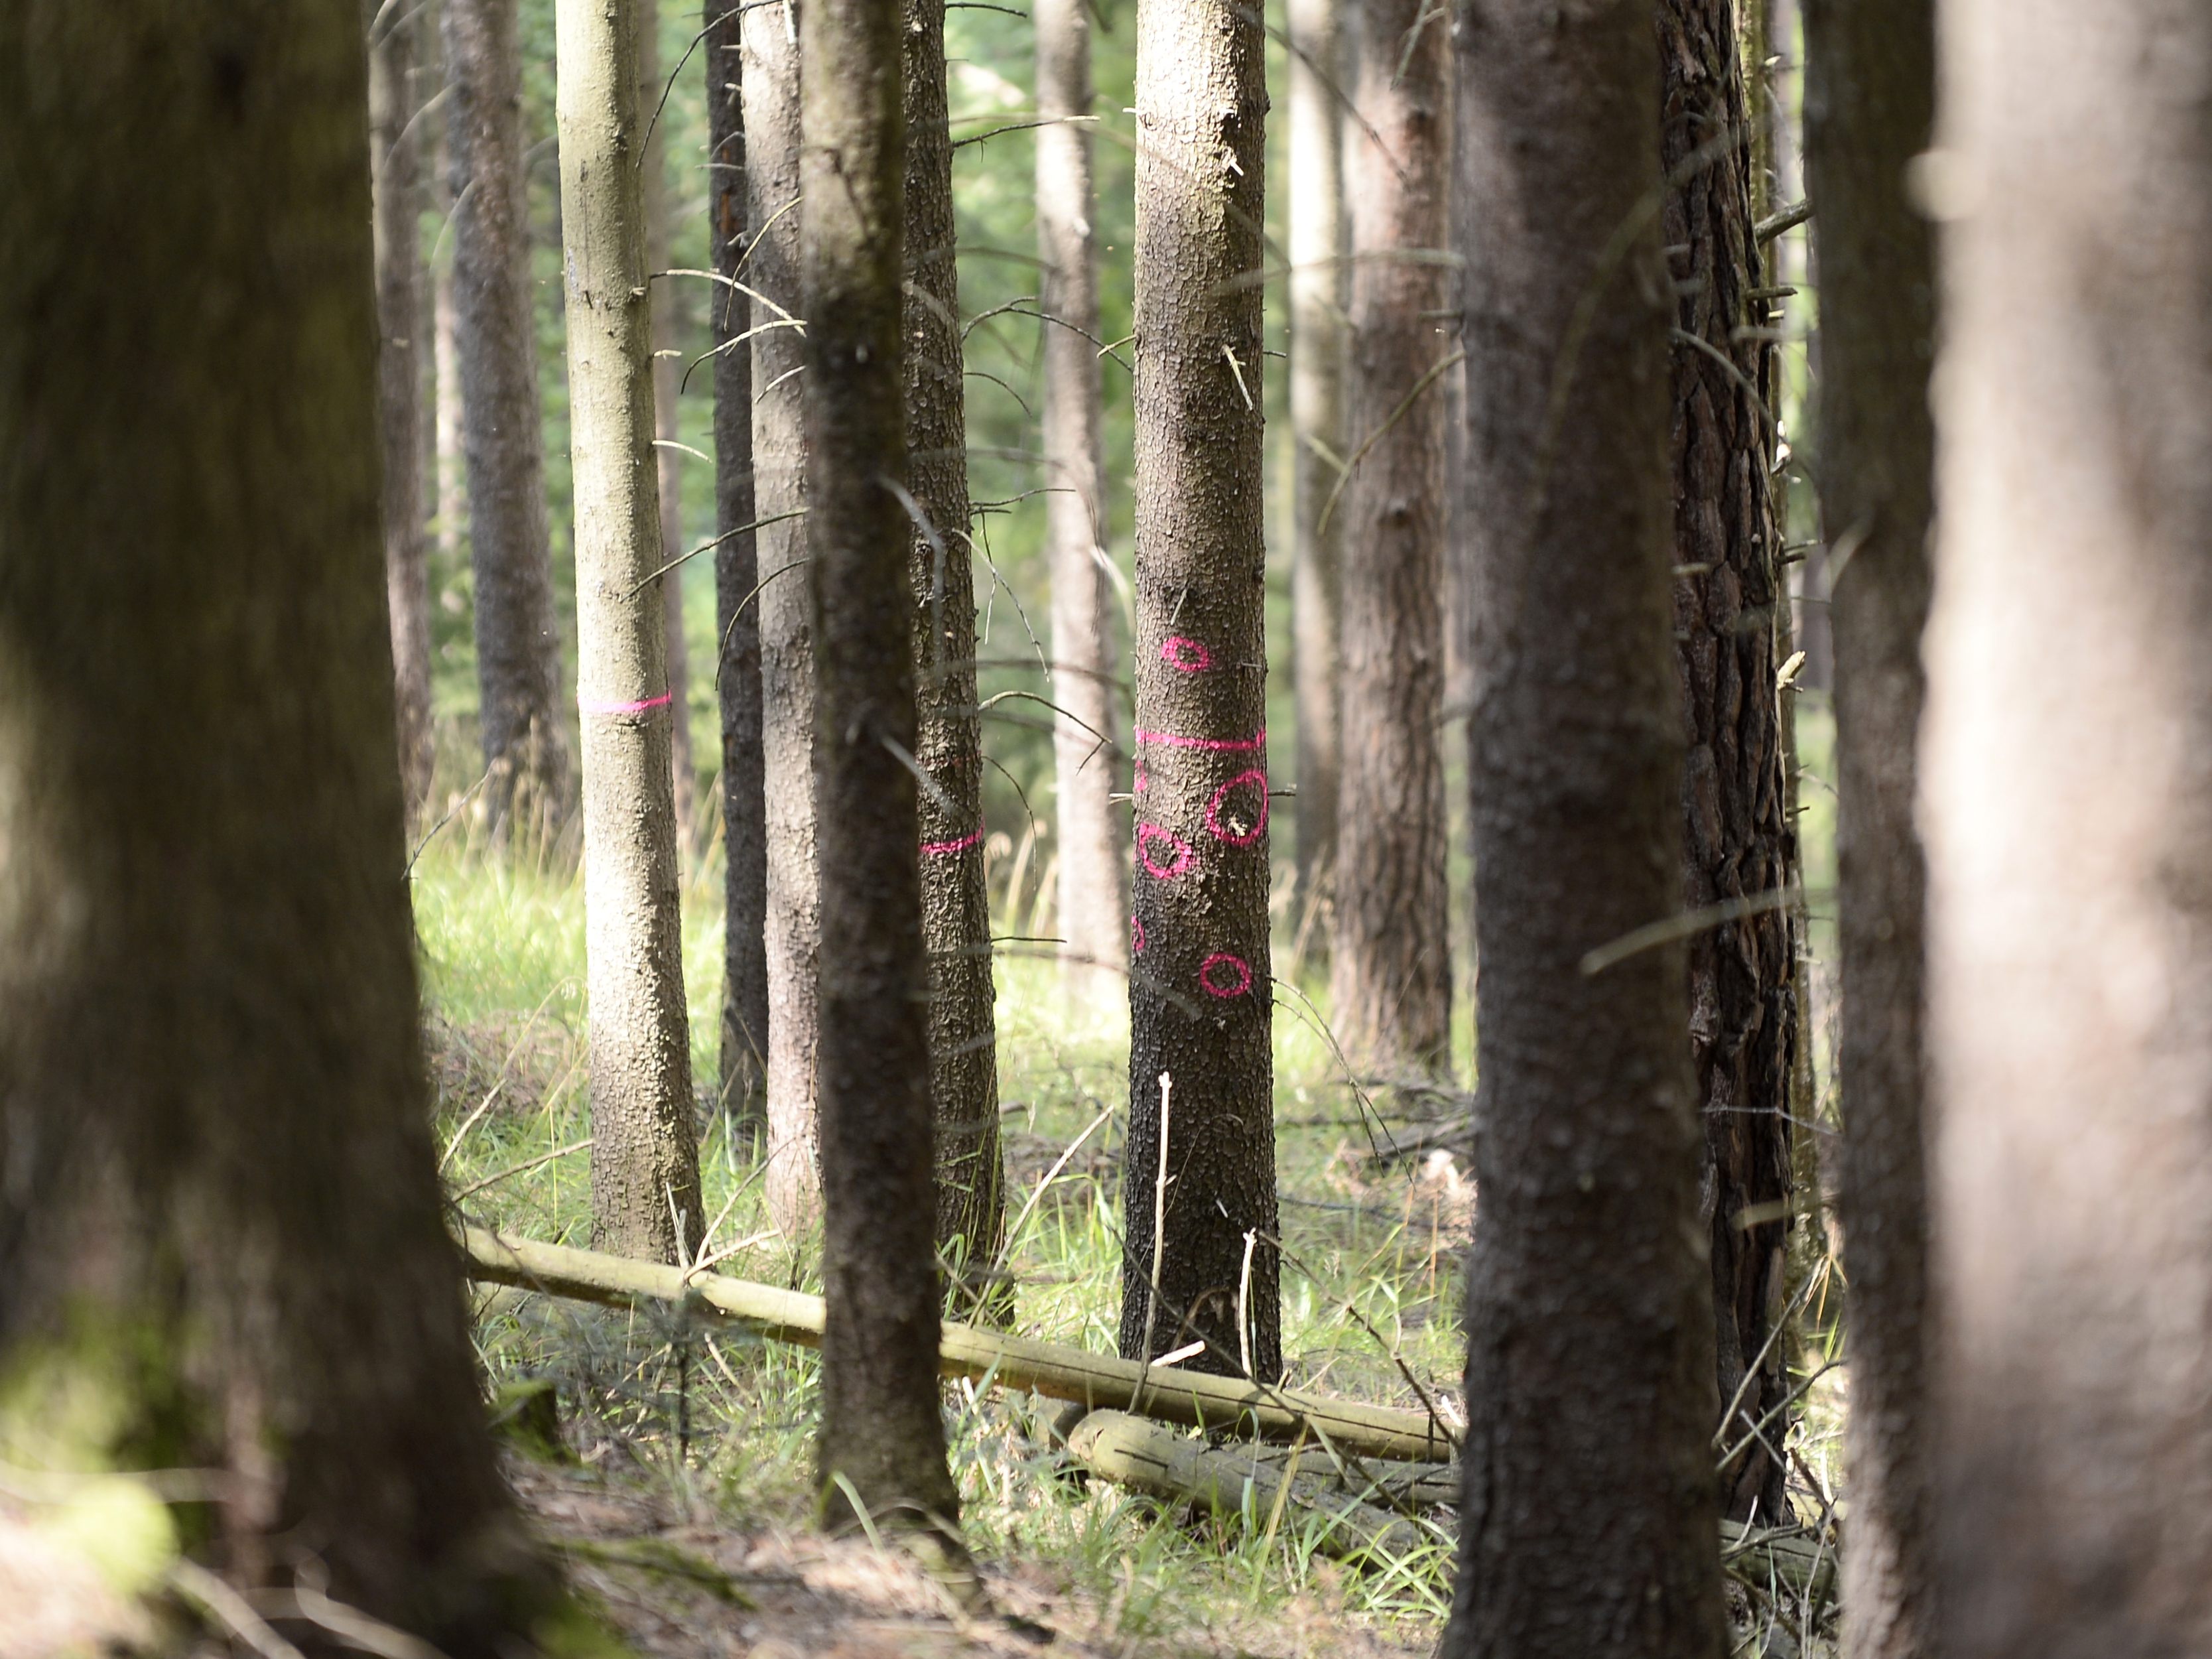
x=644 y=1155
x=1589 y=1383
x=397 y=195
x=737 y=617
x=1094 y=901
x=1869 y=109
x=216 y=1184
x=1739 y=842
x=1390 y=969
x=518 y=650
x=2068 y=825
x=956 y=909
x=1200 y=988
x=880 y=1429
x=448 y=469
x=1318 y=291
x=786 y=635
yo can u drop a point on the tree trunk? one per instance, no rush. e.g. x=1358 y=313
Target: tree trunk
x=1589 y=1382
x=2068 y=831
x=1318 y=292
x=786 y=634
x=652 y=173
x=216 y=1184
x=1869 y=109
x=1094 y=903
x=1391 y=966
x=397 y=194
x=518 y=650
x=645 y=1157
x=737 y=615
x=449 y=473
x=1740 y=843
x=881 y=1429
x=1199 y=989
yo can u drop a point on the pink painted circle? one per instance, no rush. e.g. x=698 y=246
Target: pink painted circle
x=1185 y=853
x=1236 y=966
x=1186 y=654
x=1221 y=795
x=1136 y=934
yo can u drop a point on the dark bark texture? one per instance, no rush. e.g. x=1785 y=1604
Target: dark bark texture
x=880 y=1427
x=1391 y=967
x=2067 y=806
x=1739 y=842
x=396 y=177
x=786 y=636
x=1869 y=109
x=1590 y=1382
x=737 y=611
x=1200 y=986
x=220 y=1239
x=518 y=650
x=956 y=910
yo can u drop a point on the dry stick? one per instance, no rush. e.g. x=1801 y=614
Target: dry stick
x=1159 y=1234
x=1376 y=436
x=522 y=1168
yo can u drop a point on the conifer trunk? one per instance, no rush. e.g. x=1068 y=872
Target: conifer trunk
x=645 y=1159
x=881 y=1429
x=787 y=635
x=1590 y=1361
x=1094 y=906
x=1391 y=966
x=517 y=649
x=1200 y=986
x=220 y=1221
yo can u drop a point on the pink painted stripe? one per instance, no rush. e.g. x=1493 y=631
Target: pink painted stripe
x=938 y=850
x=1217 y=745
x=640 y=707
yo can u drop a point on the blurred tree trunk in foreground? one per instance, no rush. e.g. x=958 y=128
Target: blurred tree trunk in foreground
x=956 y=909
x=517 y=649
x=786 y=636
x=220 y=1239
x=1391 y=964
x=1589 y=1358
x=645 y=1157
x=1200 y=988
x=1094 y=915
x=737 y=612
x=881 y=1429
x=1739 y=844
x=2067 y=809
x=1869 y=110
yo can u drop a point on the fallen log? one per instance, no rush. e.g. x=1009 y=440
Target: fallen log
x=1225 y=1404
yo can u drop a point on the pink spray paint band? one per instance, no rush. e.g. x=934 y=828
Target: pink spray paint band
x=1185 y=853
x=1225 y=976
x=1136 y=934
x=938 y=850
x=1186 y=654
x=643 y=705
x=1220 y=795
x=1217 y=745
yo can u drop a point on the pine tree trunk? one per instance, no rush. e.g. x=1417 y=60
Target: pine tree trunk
x=1318 y=294
x=653 y=174
x=956 y=910
x=397 y=193
x=1739 y=841
x=1199 y=988
x=2070 y=830
x=1590 y=1360
x=449 y=469
x=220 y=1225
x=881 y=1429
x=1869 y=110
x=1391 y=966
x=1094 y=903
x=517 y=650
x=786 y=635
x=645 y=1158
x=737 y=614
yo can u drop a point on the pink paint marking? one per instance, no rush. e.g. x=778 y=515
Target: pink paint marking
x=940 y=849
x=643 y=705
x=1217 y=745
x=1214 y=809
x=1136 y=934
x=1143 y=777
x=1186 y=654
x=1238 y=965
x=1185 y=854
